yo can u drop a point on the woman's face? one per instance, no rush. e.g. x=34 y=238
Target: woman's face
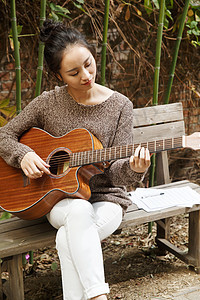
x=78 y=68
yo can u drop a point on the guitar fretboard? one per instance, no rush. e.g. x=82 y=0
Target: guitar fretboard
x=113 y=153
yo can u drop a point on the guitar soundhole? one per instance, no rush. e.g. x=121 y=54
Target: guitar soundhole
x=59 y=163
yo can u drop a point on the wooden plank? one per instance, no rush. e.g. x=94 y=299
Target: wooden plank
x=163 y=232
x=28 y=231
x=16 y=278
x=24 y=239
x=176 y=251
x=162 y=169
x=132 y=207
x=28 y=244
x=194 y=237
x=18 y=237
x=158 y=132
x=163 y=228
x=158 y=114
x=140 y=217
x=16 y=223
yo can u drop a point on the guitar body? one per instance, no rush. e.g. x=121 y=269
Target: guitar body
x=33 y=198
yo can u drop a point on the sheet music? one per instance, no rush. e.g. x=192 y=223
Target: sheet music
x=151 y=199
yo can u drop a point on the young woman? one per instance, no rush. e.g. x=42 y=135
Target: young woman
x=79 y=103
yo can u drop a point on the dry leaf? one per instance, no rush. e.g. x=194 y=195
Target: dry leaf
x=120 y=8
x=128 y=14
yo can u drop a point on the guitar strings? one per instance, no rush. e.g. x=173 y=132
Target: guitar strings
x=105 y=154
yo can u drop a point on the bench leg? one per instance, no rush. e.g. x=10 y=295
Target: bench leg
x=163 y=232
x=16 y=282
x=194 y=239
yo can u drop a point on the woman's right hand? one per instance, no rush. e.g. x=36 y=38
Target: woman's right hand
x=33 y=166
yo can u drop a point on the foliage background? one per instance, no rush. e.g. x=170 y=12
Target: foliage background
x=131 y=48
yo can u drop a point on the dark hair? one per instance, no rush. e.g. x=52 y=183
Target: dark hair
x=57 y=37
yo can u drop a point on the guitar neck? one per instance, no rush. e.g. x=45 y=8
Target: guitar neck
x=113 y=153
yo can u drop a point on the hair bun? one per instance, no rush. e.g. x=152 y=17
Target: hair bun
x=49 y=26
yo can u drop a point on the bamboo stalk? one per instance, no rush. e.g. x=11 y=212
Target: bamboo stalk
x=39 y=69
x=156 y=79
x=158 y=52
x=16 y=55
x=104 y=45
x=40 y=51
x=175 y=54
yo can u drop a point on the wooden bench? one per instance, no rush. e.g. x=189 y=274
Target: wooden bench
x=152 y=123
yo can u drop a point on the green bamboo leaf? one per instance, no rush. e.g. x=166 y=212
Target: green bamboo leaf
x=166 y=23
x=5 y=215
x=52 y=6
x=170 y=3
x=197 y=16
x=79 y=6
x=195 y=3
x=4 y=102
x=195 y=43
x=54 y=16
x=193 y=24
x=80 y=1
x=148 y=6
x=64 y=16
x=19 y=30
x=156 y=3
x=54 y=266
x=3 y=121
x=8 y=111
x=58 y=8
x=168 y=14
x=195 y=32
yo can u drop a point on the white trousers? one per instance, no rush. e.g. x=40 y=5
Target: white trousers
x=81 y=227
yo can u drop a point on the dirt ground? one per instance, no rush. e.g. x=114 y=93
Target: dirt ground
x=133 y=269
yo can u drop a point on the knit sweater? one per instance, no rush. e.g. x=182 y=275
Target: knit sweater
x=58 y=113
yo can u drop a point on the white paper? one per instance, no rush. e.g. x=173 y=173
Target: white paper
x=151 y=199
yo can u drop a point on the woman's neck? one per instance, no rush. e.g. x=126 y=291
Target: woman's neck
x=83 y=97
x=96 y=95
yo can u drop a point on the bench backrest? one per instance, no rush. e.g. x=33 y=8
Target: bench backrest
x=159 y=122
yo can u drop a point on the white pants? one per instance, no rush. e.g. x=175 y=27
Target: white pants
x=81 y=227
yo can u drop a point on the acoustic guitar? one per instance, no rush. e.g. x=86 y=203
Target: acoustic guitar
x=73 y=158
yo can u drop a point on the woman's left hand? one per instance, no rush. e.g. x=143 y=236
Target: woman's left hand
x=140 y=161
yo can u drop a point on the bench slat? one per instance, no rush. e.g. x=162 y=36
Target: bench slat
x=15 y=223
x=156 y=132
x=33 y=243
x=29 y=231
x=140 y=216
x=158 y=114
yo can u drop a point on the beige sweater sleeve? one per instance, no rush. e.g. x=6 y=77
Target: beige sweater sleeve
x=11 y=150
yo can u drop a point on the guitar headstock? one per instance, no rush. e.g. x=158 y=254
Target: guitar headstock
x=193 y=141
